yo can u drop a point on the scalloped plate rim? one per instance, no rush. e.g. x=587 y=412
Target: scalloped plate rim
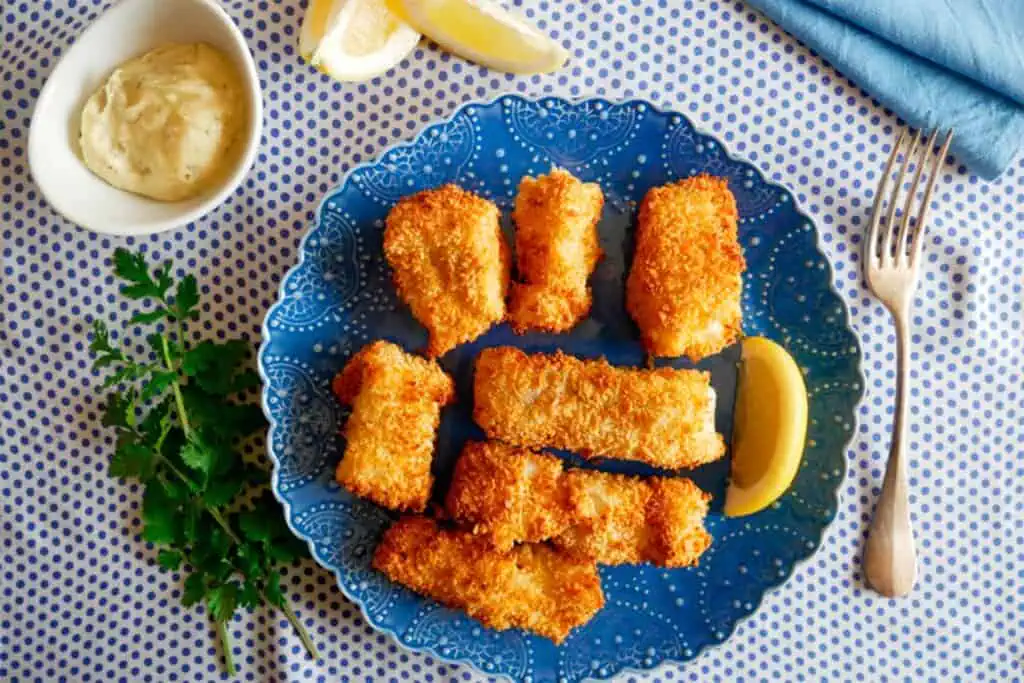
x=770 y=586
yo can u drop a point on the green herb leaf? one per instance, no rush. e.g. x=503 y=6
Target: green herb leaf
x=134 y=269
x=132 y=459
x=256 y=525
x=218 y=416
x=198 y=455
x=148 y=316
x=249 y=595
x=171 y=452
x=185 y=450
x=156 y=423
x=139 y=291
x=287 y=549
x=169 y=559
x=223 y=490
x=120 y=410
x=223 y=571
x=186 y=297
x=176 y=490
x=195 y=589
x=118 y=376
x=155 y=340
x=115 y=414
x=158 y=384
x=191 y=521
x=242 y=420
x=272 y=589
x=131 y=267
x=246 y=380
x=268 y=510
x=163 y=279
x=100 y=337
x=223 y=600
x=100 y=343
x=251 y=561
x=214 y=365
x=105 y=360
x=159 y=514
x=210 y=547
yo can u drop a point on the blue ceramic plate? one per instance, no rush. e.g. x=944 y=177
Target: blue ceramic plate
x=339 y=297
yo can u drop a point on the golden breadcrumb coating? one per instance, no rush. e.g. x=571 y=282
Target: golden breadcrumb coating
x=687 y=277
x=451 y=264
x=556 y=251
x=532 y=586
x=511 y=495
x=664 y=416
x=508 y=494
x=618 y=519
x=396 y=401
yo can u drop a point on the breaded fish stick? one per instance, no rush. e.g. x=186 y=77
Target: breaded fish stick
x=532 y=586
x=451 y=264
x=396 y=401
x=686 y=280
x=665 y=417
x=556 y=251
x=627 y=520
x=510 y=494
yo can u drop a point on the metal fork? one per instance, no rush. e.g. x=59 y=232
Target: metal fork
x=892 y=260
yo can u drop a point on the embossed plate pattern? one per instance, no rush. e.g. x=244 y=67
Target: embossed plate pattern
x=339 y=297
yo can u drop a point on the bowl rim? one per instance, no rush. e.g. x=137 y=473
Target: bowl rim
x=243 y=164
x=819 y=534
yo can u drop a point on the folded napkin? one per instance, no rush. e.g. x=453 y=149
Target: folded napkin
x=937 y=63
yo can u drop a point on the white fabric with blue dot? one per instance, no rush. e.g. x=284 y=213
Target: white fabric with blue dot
x=81 y=597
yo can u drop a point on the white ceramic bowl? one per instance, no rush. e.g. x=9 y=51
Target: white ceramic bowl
x=127 y=30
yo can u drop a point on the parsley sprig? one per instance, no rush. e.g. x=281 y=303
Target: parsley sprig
x=180 y=434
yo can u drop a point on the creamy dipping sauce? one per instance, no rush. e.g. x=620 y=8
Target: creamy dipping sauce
x=166 y=124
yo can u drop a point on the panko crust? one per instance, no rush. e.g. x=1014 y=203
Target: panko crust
x=663 y=416
x=510 y=495
x=675 y=517
x=450 y=263
x=557 y=248
x=532 y=586
x=507 y=494
x=686 y=281
x=617 y=519
x=396 y=401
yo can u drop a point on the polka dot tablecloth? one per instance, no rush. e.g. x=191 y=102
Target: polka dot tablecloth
x=80 y=596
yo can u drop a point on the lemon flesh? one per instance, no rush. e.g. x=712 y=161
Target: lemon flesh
x=769 y=427
x=354 y=40
x=484 y=33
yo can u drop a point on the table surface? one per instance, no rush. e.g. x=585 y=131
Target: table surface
x=80 y=596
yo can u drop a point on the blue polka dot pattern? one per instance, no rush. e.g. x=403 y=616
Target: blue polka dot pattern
x=80 y=597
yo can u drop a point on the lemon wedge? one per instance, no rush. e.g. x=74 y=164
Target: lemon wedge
x=483 y=32
x=769 y=427
x=354 y=40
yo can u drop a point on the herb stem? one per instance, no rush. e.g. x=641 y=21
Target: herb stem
x=178 y=473
x=179 y=400
x=215 y=513
x=225 y=647
x=181 y=333
x=293 y=619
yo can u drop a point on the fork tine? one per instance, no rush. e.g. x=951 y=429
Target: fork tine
x=904 y=234
x=918 y=243
x=871 y=249
x=891 y=234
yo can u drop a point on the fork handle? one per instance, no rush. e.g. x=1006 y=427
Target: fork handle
x=890 y=561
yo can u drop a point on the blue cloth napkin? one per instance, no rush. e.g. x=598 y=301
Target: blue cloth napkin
x=937 y=63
